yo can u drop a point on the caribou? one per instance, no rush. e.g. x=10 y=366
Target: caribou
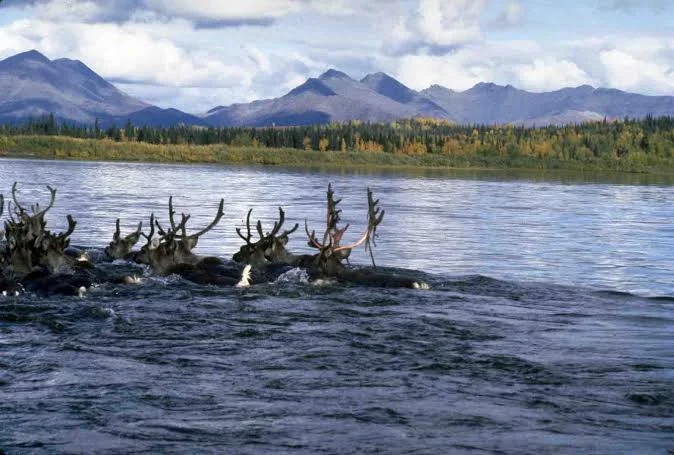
x=328 y=262
x=33 y=258
x=170 y=252
x=270 y=248
x=120 y=247
x=271 y=258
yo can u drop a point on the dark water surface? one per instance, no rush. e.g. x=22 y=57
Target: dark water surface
x=549 y=326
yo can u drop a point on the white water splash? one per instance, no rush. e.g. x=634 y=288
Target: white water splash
x=296 y=275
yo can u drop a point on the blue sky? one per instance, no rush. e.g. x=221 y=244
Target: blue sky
x=200 y=53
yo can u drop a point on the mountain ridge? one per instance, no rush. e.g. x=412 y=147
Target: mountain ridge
x=33 y=85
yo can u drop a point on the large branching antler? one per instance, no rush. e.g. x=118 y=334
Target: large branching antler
x=61 y=241
x=35 y=208
x=117 y=236
x=182 y=226
x=149 y=236
x=248 y=234
x=29 y=243
x=120 y=246
x=19 y=209
x=273 y=234
x=270 y=247
x=174 y=245
x=277 y=227
x=374 y=217
x=333 y=234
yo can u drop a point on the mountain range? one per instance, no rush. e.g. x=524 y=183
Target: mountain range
x=31 y=85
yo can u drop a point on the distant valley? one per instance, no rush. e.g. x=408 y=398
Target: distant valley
x=33 y=85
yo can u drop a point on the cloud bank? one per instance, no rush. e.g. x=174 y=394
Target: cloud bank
x=198 y=54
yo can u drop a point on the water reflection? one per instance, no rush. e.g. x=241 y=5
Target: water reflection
x=605 y=230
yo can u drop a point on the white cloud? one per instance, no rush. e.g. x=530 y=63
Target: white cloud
x=438 y=27
x=202 y=13
x=12 y=43
x=516 y=63
x=632 y=73
x=209 y=12
x=161 y=51
x=545 y=74
x=130 y=53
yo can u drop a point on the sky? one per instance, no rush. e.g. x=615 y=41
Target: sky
x=197 y=54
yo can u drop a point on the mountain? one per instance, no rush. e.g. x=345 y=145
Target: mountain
x=488 y=103
x=387 y=86
x=333 y=96
x=32 y=86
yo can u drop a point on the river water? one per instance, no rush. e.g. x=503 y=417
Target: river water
x=549 y=326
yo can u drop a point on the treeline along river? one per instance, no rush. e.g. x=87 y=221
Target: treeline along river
x=549 y=325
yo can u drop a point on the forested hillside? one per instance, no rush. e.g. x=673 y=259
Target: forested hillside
x=636 y=140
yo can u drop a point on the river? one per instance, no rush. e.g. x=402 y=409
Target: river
x=549 y=326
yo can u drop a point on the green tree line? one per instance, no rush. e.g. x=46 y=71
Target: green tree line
x=633 y=142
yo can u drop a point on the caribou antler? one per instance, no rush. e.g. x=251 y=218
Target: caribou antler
x=182 y=226
x=149 y=236
x=176 y=236
x=313 y=241
x=248 y=234
x=333 y=234
x=215 y=221
x=374 y=217
x=121 y=247
x=173 y=246
x=270 y=247
x=258 y=226
x=61 y=241
x=71 y=228
x=35 y=208
x=19 y=209
x=29 y=243
x=278 y=224
x=118 y=235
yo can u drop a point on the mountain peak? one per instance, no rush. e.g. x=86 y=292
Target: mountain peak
x=312 y=85
x=333 y=74
x=31 y=55
x=483 y=86
x=78 y=67
x=438 y=87
x=385 y=85
x=378 y=76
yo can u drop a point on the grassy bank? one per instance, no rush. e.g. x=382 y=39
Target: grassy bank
x=65 y=148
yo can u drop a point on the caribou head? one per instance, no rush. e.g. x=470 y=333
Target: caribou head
x=120 y=247
x=173 y=246
x=331 y=252
x=270 y=248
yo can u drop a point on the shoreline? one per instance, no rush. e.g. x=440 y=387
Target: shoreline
x=59 y=148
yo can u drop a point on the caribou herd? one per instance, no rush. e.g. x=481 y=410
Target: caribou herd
x=37 y=260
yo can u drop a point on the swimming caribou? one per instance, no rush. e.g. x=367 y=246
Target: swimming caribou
x=35 y=259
